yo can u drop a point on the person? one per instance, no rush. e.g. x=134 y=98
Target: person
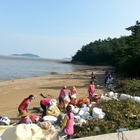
x=35 y=118
x=24 y=105
x=67 y=126
x=91 y=90
x=25 y=118
x=109 y=80
x=106 y=78
x=62 y=95
x=45 y=104
x=93 y=76
x=106 y=73
x=72 y=93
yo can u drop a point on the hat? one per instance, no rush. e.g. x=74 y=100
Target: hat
x=64 y=87
x=23 y=113
x=73 y=89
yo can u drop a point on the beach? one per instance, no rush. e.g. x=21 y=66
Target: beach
x=14 y=91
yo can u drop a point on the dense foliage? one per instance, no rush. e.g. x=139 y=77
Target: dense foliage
x=128 y=86
x=123 y=52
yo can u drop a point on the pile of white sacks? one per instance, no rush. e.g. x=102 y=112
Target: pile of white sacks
x=82 y=114
x=126 y=96
x=112 y=95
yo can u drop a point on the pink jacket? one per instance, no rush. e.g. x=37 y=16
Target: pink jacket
x=24 y=104
x=91 y=89
x=26 y=120
x=62 y=93
x=69 y=129
x=45 y=102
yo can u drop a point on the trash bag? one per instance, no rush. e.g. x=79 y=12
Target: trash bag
x=97 y=113
x=53 y=110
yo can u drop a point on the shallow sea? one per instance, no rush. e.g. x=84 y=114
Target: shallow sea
x=20 y=67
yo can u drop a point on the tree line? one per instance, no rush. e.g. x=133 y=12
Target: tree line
x=123 y=53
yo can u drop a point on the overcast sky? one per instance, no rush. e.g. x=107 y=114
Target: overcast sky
x=59 y=28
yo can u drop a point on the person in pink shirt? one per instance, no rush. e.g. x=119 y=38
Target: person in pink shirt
x=62 y=95
x=72 y=93
x=91 y=90
x=44 y=103
x=93 y=76
x=24 y=105
x=67 y=127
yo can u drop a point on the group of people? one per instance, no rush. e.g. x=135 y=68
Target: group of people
x=63 y=94
x=45 y=103
x=67 y=126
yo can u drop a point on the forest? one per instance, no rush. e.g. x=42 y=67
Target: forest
x=123 y=53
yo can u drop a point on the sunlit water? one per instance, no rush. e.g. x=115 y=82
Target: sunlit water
x=20 y=67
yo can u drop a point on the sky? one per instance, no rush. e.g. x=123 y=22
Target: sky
x=57 y=29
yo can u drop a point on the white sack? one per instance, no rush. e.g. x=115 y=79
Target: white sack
x=50 y=118
x=125 y=96
x=97 y=113
x=73 y=96
x=110 y=94
x=78 y=111
x=136 y=98
x=85 y=109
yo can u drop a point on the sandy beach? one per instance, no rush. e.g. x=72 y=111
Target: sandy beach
x=13 y=92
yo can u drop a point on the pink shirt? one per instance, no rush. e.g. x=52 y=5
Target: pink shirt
x=62 y=93
x=45 y=102
x=26 y=120
x=24 y=104
x=91 y=89
x=69 y=129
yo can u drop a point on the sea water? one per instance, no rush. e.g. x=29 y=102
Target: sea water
x=20 y=67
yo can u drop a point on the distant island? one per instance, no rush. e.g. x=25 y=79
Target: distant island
x=26 y=55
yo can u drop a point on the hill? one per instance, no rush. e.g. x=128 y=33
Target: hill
x=26 y=55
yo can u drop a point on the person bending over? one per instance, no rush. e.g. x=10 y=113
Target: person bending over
x=45 y=104
x=24 y=105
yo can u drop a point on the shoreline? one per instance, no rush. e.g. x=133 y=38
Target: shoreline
x=14 y=91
